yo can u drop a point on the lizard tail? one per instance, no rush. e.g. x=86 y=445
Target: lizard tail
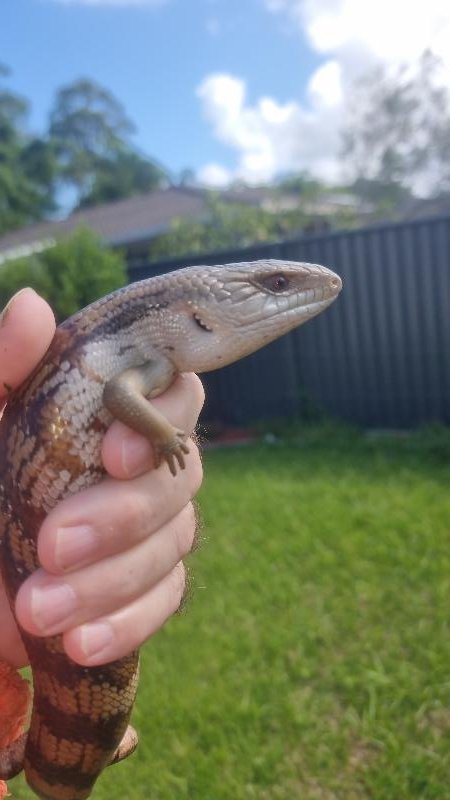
x=80 y=718
x=12 y=757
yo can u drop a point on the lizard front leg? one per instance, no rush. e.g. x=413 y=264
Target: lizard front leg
x=125 y=396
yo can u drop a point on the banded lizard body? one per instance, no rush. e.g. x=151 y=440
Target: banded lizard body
x=104 y=362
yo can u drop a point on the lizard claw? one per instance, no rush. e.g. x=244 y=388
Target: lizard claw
x=174 y=451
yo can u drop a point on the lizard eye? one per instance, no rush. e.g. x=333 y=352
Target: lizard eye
x=276 y=283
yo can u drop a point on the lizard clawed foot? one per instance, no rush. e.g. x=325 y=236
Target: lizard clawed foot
x=173 y=451
x=127 y=746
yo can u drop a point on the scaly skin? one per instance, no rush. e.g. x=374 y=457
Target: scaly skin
x=195 y=319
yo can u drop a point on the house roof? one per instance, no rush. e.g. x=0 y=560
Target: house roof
x=136 y=219
x=119 y=223
x=127 y=223
x=427 y=207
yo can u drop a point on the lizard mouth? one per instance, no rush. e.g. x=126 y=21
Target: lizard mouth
x=305 y=304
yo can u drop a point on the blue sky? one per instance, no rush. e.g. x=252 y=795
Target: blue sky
x=153 y=59
x=231 y=88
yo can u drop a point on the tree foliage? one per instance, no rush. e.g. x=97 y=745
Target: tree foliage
x=91 y=131
x=301 y=183
x=88 y=125
x=27 y=165
x=397 y=134
x=86 y=148
x=226 y=225
x=125 y=174
x=69 y=275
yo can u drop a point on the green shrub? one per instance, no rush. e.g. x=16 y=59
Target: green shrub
x=69 y=275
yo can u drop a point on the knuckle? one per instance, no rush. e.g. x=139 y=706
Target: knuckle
x=135 y=514
x=127 y=588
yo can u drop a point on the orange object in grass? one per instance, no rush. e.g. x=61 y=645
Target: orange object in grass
x=15 y=699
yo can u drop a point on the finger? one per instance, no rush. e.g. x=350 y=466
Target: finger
x=27 y=326
x=127 y=454
x=114 y=516
x=47 y=605
x=114 y=635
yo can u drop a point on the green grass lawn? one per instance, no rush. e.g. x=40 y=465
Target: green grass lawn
x=313 y=660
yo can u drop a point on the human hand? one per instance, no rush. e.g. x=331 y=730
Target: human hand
x=112 y=553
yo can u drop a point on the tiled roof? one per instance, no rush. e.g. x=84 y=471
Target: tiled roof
x=120 y=223
x=136 y=219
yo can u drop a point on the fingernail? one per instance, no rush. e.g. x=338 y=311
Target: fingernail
x=51 y=605
x=96 y=638
x=74 y=545
x=10 y=302
x=136 y=455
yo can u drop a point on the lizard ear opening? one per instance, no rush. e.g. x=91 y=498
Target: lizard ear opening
x=201 y=324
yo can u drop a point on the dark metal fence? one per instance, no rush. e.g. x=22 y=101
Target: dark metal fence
x=378 y=357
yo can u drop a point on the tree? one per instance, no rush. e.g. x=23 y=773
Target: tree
x=226 y=225
x=398 y=130
x=124 y=175
x=302 y=184
x=87 y=147
x=91 y=133
x=87 y=125
x=27 y=165
x=69 y=275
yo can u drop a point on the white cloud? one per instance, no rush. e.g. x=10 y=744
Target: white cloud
x=112 y=3
x=390 y=31
x=269 y=137
x=351 y=36
x=214 y=175
x=325 y=85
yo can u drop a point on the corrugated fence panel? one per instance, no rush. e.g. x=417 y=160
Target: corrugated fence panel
x=261 y=386
x=379 y=357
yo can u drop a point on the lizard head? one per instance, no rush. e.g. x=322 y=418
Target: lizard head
x=235 y=309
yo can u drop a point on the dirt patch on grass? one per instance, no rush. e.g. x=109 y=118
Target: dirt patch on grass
x=435 y=721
